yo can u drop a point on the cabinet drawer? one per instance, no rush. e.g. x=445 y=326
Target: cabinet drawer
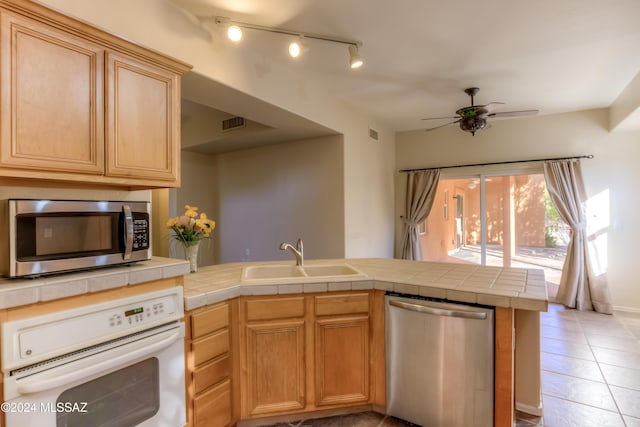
x=211 y=373
x=210 y=347
x=275 y=308
x=327 y=305
x=210 y=320
x=213 y=408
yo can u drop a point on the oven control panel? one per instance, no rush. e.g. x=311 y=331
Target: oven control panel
x=37 y=338
x=138 y=315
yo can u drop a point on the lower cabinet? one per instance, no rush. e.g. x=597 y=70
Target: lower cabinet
x=342 y=360
x=275 y=367
x=209 y=367
x=213 y=407
x=256 y=357
x=304 y=353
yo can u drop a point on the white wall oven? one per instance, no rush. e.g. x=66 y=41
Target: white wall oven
x=52 y=236
x=113 y=364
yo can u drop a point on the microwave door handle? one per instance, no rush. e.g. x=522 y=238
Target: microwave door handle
x=33 y=385
x=128 y=231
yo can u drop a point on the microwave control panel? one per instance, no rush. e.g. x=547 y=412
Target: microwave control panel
x=140 y=232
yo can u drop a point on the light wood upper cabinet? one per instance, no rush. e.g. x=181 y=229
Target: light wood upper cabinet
x=143 y=135
x=83 y=106
x=52 y=98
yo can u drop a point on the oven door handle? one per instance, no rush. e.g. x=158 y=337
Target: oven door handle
x=34 y=385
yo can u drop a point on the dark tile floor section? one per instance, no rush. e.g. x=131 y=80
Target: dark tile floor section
x=590 y=375
x=365 y=419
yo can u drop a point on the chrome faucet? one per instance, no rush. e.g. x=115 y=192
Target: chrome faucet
x=297 y=251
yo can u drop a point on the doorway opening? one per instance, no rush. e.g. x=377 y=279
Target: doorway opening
x=498 y=220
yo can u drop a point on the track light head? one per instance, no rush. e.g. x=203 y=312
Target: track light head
x=295 y=47
x=234 y=33
x=355 y=60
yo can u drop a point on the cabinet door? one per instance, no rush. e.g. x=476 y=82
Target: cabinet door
x=143 y=120
x=274 y=358
x=51 y=117
x=342 y=360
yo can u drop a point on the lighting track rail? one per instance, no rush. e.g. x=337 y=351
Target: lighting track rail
x=234 y=32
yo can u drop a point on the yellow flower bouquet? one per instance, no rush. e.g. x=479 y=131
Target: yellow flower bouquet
x=190 y=228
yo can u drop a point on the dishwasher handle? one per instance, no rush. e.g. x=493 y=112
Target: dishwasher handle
x=478 y=315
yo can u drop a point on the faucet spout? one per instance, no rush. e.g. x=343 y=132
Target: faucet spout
x=298 y=251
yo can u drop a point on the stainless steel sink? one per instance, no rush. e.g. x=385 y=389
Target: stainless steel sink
x=279 y=273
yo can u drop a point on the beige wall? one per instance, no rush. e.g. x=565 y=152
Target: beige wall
x=368 y=165
x=278 y=193
x=199 y=188
x=612 y=175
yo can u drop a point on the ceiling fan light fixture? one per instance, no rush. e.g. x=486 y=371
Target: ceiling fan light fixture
x=355 y=60
x=473 y=124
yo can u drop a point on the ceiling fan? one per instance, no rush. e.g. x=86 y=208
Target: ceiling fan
x=474 y=117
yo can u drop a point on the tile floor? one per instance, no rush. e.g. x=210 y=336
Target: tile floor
x=590 y=375
x=590 y=369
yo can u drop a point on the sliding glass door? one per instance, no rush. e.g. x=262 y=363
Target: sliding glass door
x=499 y=220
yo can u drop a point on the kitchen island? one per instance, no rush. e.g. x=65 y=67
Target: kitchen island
x=516 y=293
x=237 y=324
x=517 y=288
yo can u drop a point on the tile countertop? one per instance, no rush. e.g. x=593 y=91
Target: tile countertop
x=518 y=288
x=17 y=292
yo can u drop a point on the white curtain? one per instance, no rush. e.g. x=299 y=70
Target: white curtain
x=421 y=191
x=579 y=287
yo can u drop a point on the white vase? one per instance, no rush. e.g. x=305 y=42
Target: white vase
x=191 y=255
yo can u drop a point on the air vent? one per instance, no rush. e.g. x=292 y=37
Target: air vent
x=373 y=134
x=232 y=123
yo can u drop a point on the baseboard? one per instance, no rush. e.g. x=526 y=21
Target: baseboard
x=626 y=309
x=528 y=409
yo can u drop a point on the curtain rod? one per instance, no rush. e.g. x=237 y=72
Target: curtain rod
x=589 y=156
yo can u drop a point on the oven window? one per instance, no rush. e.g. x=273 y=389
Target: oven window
x=123 y=398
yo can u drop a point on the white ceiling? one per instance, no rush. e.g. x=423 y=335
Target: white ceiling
x=551 y=55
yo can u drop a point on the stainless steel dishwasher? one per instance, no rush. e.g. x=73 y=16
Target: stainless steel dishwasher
x=439 y=362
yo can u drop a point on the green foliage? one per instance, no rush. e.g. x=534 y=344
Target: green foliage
x=553 y=220
x=550 y=211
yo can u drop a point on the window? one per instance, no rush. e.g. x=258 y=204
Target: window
x=501 y=220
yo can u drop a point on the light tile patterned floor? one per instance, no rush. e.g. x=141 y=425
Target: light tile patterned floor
x=590 y=370
x=590 y=375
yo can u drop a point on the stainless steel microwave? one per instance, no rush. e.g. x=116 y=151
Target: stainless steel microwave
x=53 y=236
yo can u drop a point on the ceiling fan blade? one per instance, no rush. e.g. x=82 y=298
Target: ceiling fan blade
x=514 y=113
x=492 y=106
x=441 y=126
x=440 y=118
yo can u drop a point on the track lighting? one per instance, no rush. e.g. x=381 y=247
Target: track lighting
x=234 y=32
x=355 y=60
x=295 y=47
